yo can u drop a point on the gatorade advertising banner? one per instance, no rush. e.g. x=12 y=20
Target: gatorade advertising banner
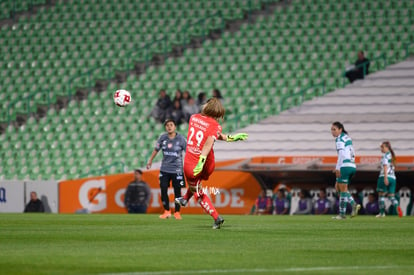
x=232 y=192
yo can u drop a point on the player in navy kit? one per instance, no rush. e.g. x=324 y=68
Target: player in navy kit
x=172 y=145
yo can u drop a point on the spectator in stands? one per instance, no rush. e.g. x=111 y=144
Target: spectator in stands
x=190 y=109
x=172 y=145
x=322 y=204
x=263 y=204
x=372 y=207
x=217 y=94
x=305 y=203
x=201 y=99
x=344 y=170
x=185 y=98
x=281 y=203
x=34 y=205
x=386 y=183
x=137 y=195
x=178 y=95
x=360 y=69
x=162 y=107
x=176 y=113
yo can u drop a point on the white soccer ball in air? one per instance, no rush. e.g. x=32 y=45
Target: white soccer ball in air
x=122 y=98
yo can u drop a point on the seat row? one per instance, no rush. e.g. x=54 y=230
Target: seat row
x=253 y=78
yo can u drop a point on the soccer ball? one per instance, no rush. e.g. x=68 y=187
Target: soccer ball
x=122 y=98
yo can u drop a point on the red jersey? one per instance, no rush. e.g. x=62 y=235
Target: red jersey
x=199 y=128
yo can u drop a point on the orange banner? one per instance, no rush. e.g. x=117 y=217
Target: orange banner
x=231 y=192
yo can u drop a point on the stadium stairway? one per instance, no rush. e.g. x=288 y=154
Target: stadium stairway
x=11 y=11
x=375 y=109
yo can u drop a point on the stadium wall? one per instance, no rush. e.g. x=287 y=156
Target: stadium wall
x=14 y=195
x=233 y=187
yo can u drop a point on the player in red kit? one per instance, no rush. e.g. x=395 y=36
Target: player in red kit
x=203 y=130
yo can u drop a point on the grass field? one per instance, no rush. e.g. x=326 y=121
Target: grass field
x=144 y=244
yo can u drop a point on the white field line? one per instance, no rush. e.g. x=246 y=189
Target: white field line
x=262 y=270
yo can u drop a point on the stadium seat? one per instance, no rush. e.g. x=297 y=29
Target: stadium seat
x=294 y=201
x=314 y=194
x=331 y=196
x=405 y=199
x=365 y=192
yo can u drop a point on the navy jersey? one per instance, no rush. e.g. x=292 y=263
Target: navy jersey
x=172 y=150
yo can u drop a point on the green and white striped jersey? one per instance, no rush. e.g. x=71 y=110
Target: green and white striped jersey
x=387 y=160
x=345 y=150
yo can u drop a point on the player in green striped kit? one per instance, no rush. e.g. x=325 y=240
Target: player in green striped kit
x=345 y=169
x=386 y=184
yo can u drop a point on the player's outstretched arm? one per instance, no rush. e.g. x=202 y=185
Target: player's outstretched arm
x=237 y=137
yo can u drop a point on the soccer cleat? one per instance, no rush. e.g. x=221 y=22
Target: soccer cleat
x=218 y=222
x=177 y=216
x=166 y=215
x=355 y=210
x=380 y=215
x=181 y=201
x=339 y=217
x=399 y=210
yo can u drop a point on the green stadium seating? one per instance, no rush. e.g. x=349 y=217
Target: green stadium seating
x=296 y=46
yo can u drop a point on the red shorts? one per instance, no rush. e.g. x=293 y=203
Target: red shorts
x=208 y=169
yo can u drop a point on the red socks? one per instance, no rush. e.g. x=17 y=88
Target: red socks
x=188 y=195
x=206 y=204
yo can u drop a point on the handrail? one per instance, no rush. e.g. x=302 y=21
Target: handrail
x=407 y=45
x=302 y=93
x=13 y=11
x=365 y=65
x=70 y=82
x=130 y=57
x=26 y=100
x=236 y=119
x=89 y=74
x=257 y=113
x=201 y=22
x=101 y=170
x=165 y=39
